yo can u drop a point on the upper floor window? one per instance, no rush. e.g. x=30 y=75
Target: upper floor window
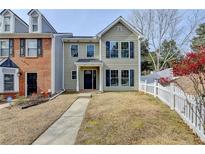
x=32 y=48
x=7 y=25
x=74 y=50
x=4 y=48
x=90 y=50
x=35 y=24
x=125 y=49
x=111 y=49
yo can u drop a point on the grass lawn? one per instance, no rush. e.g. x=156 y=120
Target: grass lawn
x=132 y=118
x=19 y=126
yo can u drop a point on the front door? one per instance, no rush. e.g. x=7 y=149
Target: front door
x=31 y=83
x=89 y=79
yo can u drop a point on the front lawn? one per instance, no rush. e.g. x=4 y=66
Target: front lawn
x=132 y=118
x=19 y=126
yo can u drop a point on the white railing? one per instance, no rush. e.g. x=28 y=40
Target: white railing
x=185 y=105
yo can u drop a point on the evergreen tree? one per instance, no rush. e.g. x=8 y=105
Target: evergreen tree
x=199 y=40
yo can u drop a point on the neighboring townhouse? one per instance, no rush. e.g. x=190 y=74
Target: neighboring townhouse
x=30 y=55
x=109 y=61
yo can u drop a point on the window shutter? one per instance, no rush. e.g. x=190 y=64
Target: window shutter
x=107 y=78
x=22 y=47
x=131 y=78
x=131 y=49
x=39 y=47
x=11 y=47
x=107 y=49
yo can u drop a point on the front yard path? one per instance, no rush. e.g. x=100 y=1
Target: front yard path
x=65 y=129
x=132 y=118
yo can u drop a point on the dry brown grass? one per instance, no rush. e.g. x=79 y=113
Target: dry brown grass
x=132 y=118
x=19 y=126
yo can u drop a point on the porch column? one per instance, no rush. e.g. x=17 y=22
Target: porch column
x=77 y=79
x=101 y=79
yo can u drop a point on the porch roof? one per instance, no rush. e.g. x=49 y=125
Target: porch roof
x=7 y=62
x=89 y=62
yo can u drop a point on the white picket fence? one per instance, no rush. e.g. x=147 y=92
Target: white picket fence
x=185 y=105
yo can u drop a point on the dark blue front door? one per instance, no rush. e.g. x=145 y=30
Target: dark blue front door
x=89 y=79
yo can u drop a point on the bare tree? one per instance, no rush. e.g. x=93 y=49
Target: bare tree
x=160 y=25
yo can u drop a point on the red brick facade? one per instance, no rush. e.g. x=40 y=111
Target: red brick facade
x=39 y=65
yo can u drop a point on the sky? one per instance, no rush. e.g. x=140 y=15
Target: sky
x=78 y=22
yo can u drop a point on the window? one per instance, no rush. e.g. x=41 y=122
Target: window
x=125 y=77
x=90 y=50
x=35 y=24
x=114 y=77
x=125 y=49
x=74 y=50
x=32 y=47
x=4 y=48
x=73 y=75
x=8 y=82
x=114 y=49
x=7 y=23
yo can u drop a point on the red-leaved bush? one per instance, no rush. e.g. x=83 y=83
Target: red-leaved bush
x=164 y=80
x=192 y=63
x=193 y=67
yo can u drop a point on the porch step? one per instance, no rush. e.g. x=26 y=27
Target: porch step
x=84 y=95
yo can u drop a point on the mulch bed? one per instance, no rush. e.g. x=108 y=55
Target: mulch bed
x=34 y=102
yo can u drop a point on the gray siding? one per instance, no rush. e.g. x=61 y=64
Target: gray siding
x=69 y=65
x=120 y=63
x=20 y=27
x=46 y=28
x=59 y=63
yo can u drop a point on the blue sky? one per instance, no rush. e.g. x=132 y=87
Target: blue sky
x=79 y=22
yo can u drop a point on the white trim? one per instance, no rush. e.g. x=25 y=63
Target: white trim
x=124 y=22
x=100 y=48
x=88 y=63
x=72 y=74
x=77 y=79
x=139 y=62
x=87 y=50
x=53 y=66
x=70 y=50
x=63 y=61
x=25 y=84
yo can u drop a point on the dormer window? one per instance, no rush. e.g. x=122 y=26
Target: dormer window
x=35 y=24
x=7 y=23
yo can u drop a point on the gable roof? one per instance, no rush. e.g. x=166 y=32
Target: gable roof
x=32 y=10
x=7 y=62
x=124 y=22
x=21 y=20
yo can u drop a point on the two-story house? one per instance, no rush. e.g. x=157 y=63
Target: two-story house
x=30 y=57
x=109 y=61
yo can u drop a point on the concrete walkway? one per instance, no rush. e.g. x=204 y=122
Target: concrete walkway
x=65 y=130
x=4 y=105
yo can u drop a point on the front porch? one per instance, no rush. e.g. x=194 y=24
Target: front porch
x=89 y=75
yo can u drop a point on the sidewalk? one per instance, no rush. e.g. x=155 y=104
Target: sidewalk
x=65 y=130
x=4 y=105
